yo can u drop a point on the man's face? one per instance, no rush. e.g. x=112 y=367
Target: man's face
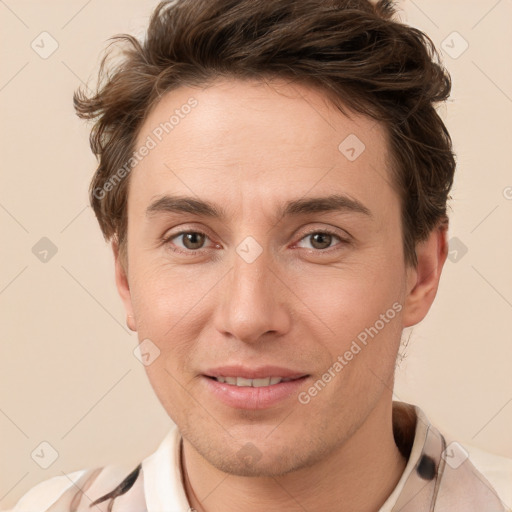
x=255 y=293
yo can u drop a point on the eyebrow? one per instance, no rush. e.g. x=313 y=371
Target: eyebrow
x=302 y=206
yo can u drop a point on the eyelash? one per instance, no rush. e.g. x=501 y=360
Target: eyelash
x=191 y=252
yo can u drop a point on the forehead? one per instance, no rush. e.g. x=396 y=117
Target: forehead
x=254 y=140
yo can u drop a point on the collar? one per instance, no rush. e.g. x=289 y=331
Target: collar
x=437 y=476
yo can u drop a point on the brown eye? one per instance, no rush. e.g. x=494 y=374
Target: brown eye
x=193 y=240
x=321 y=240
x=187 y=242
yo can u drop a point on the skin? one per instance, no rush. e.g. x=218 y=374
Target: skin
x=249 y=147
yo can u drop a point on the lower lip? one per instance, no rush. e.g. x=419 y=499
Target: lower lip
x=248 y=397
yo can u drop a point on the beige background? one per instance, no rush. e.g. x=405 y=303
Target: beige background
x=68 y=373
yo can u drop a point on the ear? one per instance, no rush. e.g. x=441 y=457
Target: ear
x=423 y=280
x=123 y=286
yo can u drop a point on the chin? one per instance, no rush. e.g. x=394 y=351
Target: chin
x=260 y=459
x=267 y=466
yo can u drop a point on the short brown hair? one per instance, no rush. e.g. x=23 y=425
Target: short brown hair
x=352 y=49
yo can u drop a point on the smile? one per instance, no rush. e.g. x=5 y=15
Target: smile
x=255 y=383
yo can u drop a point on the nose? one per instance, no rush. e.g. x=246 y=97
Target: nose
x=253 y=305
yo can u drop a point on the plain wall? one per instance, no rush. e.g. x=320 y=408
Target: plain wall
x=68 y=373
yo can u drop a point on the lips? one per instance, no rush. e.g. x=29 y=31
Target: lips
x=262 y=372
x=255 y=383
x=253 y=388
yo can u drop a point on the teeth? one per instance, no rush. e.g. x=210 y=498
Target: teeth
x=256 y=383
x=240 y=381
x=261 y=382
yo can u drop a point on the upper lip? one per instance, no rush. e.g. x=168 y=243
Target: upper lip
x=261 y=372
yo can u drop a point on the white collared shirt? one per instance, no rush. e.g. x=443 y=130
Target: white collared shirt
x=440 y=476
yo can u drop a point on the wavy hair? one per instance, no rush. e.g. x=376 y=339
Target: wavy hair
x=353 y=50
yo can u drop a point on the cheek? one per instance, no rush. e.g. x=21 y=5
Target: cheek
x=162 y=292
x=348 y=298
x=355 y=313
x=170 y=307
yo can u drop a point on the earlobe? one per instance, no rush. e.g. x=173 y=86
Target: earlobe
x=423 y=280
x=130 y=323
x=123 y=286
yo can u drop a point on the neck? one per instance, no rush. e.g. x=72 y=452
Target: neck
x=359 y=475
